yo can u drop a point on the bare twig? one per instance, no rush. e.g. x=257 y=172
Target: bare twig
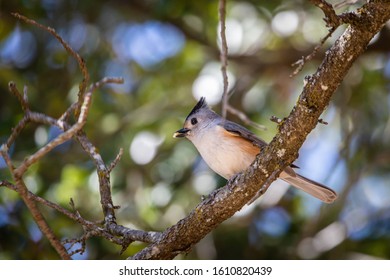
x=35 y=212
x=7 y=184
x=224 y=63
x=244 y=118
x=17 y=130
x=69 y=49
x=63 y=119
x=115 y=161
x=331 y=19
x=65 y=136
x=103 y=176
x=72 y=242
x=301 y=62
x=106 y=80
x=276 y=119
x=102 y=170
x=111 y=231
x=22 y=98
x=91 y=228
x=321 y=121
x=50 y=204
x=52 y=31
x=223 y=55
x=80 y=109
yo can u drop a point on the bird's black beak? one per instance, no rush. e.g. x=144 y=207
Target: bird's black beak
x=181 y=133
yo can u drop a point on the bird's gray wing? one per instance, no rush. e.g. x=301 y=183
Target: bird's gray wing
x=241 y=131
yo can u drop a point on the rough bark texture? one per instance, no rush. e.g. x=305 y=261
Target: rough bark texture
x=283 y=149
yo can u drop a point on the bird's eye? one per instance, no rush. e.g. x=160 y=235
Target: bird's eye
x=194 y=121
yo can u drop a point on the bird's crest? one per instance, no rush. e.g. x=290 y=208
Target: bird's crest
x=202 y=104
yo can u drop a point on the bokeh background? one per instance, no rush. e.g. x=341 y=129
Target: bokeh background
x=168 y=53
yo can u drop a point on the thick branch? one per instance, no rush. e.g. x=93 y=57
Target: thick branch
x=283 y=149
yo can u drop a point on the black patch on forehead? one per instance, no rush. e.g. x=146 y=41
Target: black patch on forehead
x=200 y=105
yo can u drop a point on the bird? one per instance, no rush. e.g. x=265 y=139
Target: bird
x=229 y=148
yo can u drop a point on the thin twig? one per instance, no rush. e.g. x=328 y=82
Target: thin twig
x=128 y=235
x=31 y=205
x=102 y=170
x=244 y=118
x=62 y=138
x=115 y=161
x=50 y=204
x=103 y=176
x=106 y=80
x=71 y=242
x=17 y=130
x=67 y=47
x=223 y=55
x=22 y=98
x=111 y=231
x=275 y=119
x=18 y=172
x=301 y=62
x=321 y=121
x=224 y=63
x=331 y=19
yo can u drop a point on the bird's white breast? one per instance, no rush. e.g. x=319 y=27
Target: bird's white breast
x=223 y=153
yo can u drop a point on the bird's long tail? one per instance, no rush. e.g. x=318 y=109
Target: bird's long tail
x=311 y=187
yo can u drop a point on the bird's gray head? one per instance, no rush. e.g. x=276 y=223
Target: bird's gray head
x=199 y=120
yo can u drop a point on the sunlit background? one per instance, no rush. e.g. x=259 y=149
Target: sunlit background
x=168 y=54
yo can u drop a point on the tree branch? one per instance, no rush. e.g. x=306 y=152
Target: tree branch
x=331 y=19
x=80 y=109
x=283 y=149
x=35 y=212
x=222 y=203
x=223 y=55
x=111 y=229
x=301 y=62
x=62 y=138
x=80 y=61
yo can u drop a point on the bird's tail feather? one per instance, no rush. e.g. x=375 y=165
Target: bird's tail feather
x=309 y=186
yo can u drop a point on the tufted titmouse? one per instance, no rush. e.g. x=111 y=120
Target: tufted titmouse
x=228 y=148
